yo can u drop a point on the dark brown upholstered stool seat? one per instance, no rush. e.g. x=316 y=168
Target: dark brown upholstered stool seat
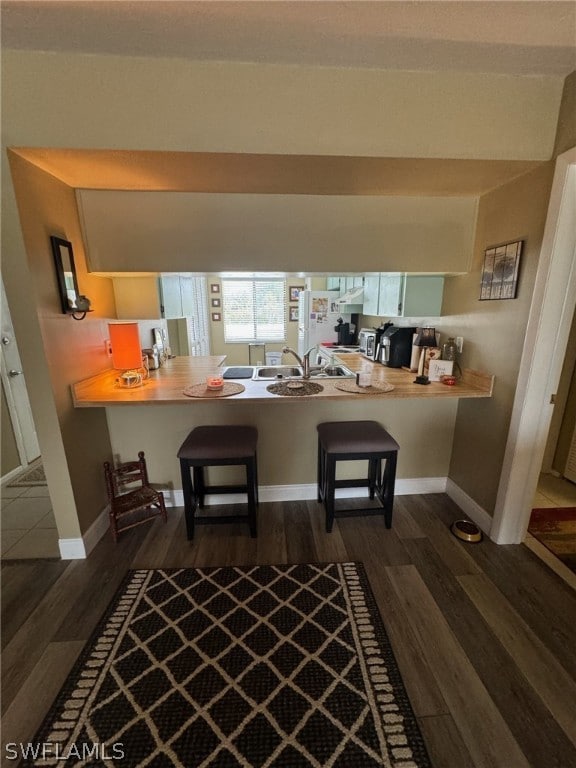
x=350 y=441
x=211 y=446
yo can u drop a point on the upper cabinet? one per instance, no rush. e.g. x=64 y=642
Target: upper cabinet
x=154 y=297
x=176 y=296
x=342 y=284
x=401 y=295
x=170 y=296
x=137 y=297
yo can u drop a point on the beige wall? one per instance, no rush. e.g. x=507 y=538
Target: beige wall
x=287 y=435
x=9 y=456
x=494 y=331
x=67 y=100
x=73 y=442
x=566 y=130
x=62 y=100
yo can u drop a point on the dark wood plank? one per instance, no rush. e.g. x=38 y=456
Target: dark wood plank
x=419 y=680
x=403 y=521
x=445 y=745
x=24 y=584
x=477 y=718
x=545 y=602
x=369 y=540
x=425 y=510
x=300 y=545
x=39 y=690
x=547 y=677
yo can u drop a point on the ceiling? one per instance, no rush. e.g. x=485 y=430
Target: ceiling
x=522 y=37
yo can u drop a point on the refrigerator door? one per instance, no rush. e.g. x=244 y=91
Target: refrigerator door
x=317 y=315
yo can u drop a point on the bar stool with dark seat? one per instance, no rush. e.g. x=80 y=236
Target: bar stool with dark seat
x=350 y=441
x=211 y=446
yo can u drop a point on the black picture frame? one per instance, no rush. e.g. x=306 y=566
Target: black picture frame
x=500 y=271
x=293 y=314
x=65 y=273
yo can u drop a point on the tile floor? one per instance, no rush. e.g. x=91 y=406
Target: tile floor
x=554 y=492
x=28 y=528
x=27 y=525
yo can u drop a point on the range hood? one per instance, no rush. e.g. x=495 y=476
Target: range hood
x=353 y=296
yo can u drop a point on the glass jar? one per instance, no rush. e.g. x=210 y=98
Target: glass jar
x=449 y=349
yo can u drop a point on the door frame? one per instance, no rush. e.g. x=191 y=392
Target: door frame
x=18 y=406
x=551 y=312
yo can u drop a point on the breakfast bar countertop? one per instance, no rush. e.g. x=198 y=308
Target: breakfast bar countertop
x=166 y=385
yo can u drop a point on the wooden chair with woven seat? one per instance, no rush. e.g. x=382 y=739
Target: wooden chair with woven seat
x=130 y=495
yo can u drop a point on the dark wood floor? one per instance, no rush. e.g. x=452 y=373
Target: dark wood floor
x=485 y=635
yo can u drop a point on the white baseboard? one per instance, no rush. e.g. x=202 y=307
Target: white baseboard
x=308 y=491
x=98 y=528
x=9 y=475
x=72 y=549
x=473 y=510
x=78 y=549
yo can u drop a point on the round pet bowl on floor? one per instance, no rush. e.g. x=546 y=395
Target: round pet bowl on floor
x=466 y=531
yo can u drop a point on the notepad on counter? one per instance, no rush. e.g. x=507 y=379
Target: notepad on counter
x=439 y=368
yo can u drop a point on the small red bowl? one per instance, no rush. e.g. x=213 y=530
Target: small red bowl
x=449 y=380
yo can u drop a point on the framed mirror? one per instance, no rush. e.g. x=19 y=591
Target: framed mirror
x=66 y=273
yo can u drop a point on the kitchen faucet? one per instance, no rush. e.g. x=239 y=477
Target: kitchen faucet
x=303 y=361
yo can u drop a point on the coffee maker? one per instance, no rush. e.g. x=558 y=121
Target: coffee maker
x=345 y=333
x=396 y=347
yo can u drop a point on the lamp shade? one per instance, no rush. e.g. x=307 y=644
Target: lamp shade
x=125 y=343
x=426 y=338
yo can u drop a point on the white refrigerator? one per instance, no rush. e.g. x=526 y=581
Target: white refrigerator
x=318 y=313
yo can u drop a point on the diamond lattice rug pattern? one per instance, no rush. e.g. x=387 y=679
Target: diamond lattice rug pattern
x=286 y=666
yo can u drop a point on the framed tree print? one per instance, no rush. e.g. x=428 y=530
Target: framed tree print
x=500 y=271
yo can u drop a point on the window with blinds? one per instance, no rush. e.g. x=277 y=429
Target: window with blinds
x=254 y=309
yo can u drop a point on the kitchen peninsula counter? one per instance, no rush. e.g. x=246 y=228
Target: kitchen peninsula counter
x=166 y=385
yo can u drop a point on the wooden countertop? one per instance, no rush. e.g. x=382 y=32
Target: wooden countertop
x=167 y=383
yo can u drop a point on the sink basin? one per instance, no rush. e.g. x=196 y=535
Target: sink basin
x=277 y=372
x=334 y=372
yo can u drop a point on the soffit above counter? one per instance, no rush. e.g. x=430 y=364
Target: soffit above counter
x=272 y=173
x=128 y=231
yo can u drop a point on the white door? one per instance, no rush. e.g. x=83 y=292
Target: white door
x=15 y=389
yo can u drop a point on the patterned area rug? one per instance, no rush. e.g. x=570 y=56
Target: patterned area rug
x=32 y=475
x=283 y=666
x=556 y=529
